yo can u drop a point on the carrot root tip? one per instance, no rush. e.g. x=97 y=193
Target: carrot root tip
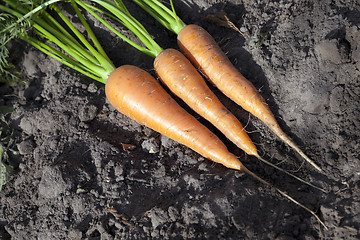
x=284 y=195
x=290 y=174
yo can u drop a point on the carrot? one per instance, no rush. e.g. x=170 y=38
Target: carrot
x=182 y=78
x=129 y=89
x=205 y=54
x=136 y=94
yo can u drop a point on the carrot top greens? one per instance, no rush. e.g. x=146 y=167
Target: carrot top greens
x=117 y=11
x=162 y=14
x=58 y=39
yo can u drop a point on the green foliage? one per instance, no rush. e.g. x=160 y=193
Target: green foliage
x=14 y=25
x=31 y=3
x=162 y=14
x=4 y=168
x=49 y=36
x=5 y=142
x=8 y=73
x=80 y=190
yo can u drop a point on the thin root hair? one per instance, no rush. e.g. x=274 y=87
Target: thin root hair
x=290 y=174
x=284 y=194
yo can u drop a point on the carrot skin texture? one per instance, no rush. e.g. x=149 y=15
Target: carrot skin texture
x=200 y=47
x=183 y=79
x=202 y=50
x=136 y=94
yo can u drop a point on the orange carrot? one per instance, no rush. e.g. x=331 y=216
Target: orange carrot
x=190 y=80
x=129 y=89
x=182 y=78
x=202 y=50
x=198 y=45
x=136 y=94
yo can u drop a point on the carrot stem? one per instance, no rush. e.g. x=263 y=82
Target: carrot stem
x=153 y=51
x=132 y=24
x=162 y=14
x=100 y=53
x=64 y=59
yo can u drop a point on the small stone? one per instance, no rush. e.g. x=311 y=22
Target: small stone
x=151 y=145
x=158 y=217
x=167 y=142
x=26 y=147
x=52 y=184
x=75 y=234
x=92 y=88
x=27 y=125
x=336 y=99
x=328 y=50
x=88 y=113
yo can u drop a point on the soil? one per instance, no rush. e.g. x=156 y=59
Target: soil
x=77 y=178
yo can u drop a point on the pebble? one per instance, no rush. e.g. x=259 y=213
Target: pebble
x=151 y=145
x=75 y=234
x=26 y=125
x=88 y=113
x=52 y=184
x=26 y=147
x=92 y=88
x=328 y=50
x=336 y=98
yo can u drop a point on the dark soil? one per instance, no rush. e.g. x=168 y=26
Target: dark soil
x=74 y=180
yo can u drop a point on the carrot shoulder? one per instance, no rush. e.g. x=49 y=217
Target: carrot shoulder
x=198 y=45
x=136 y=94
x=180 y=76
